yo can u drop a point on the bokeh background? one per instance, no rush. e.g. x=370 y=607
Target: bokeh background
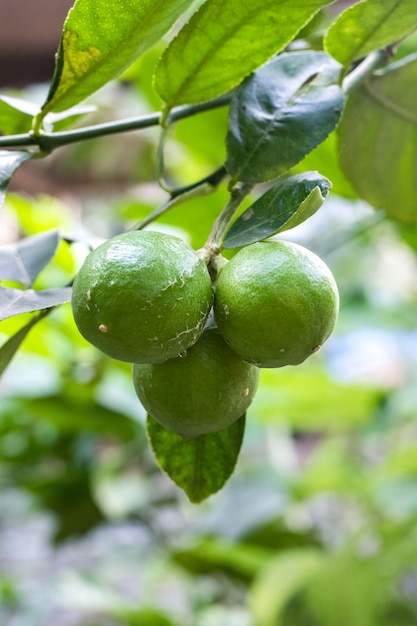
x=317 y=526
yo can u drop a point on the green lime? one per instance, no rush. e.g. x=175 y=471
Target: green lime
x=142 y=297
x=275 y=303
x=204 y=390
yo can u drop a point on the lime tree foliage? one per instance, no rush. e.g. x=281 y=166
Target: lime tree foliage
x=197 y=327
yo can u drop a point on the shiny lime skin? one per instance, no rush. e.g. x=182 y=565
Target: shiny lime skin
x=275 y=303
x=204 y=390
x=142 y=296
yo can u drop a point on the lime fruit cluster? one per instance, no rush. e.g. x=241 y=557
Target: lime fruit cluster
x=145 y=297
x=142 y=297
x=275 y=303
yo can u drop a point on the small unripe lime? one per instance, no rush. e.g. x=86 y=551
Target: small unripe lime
x=142 y=296
x=275 y=303
x=204 y=390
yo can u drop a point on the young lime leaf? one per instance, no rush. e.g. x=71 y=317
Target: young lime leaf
x=21 y=262
x=377 y=140
x=224 y=42
x=16 y=115
x=282 y=207
x=11 y=346
x=199 y=466
x=10 y=161
x=101 y=39
x=281 y=113
x=369 y=25
x=17 y=301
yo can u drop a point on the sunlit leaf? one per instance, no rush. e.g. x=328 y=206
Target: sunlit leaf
x=202 y=465
x=281 y=113
x=368 y=26
x=9 y=163
x=22 y=261
x=378 y=140
x=16 y=114
x=282 y=207
x=103 y=38
x=17 y=301
x=224 y=42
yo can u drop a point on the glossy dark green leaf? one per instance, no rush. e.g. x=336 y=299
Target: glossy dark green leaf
x=103 y=38
x=17 y=301
x=11 y=346
x=10 y=161
x=21 y=262
x=284 y=206
x=224 y=42
x=199 y=466
x=281 y=113
x=368 y=26
x=378 y=140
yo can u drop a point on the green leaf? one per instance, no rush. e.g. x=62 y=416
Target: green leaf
x=9 y=163
x=281 y=113
x=16 y=114
x=11 y=346
x=224 y=42
x=16 y=301
x=284 y=206
x=280 y=580
x=21 y=262
x=378 y=140
x=202 y=465
x=101 y=39
x=368 y=26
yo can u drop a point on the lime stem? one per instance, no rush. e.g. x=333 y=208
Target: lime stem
x=222 y=223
